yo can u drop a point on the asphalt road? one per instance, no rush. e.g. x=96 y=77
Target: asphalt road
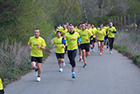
x=106 y=74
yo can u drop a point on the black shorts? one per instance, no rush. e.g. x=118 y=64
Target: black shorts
x=106 y=37
x=58 y=55
x=101 y=40
x=93 y=41
x=36 y=59
x=1 y=91
x=85 y=47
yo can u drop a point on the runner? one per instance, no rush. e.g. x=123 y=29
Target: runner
x=72 y=37
x=100 y=38
x=36 y=45
x=1 y=87
x=59 y=28
x=106 y=37
x=111 y=36
x=85 y=40
x=65 y=30
x=79 y=28
x=67 y=23
x=93 y=40
x=54 y=32
x=59 y=50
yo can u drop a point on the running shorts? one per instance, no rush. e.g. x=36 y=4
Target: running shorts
x=79 y=46
x=36 y=59
x=100 y=40
x=59 y=55
x=85 y=47
x=106 y=37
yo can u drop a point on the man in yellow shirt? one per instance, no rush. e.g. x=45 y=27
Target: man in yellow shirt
x=1 y=87
x=72 y=39
x=36 y=45
x=85 y=40
x=59 y=50
x=111 y=35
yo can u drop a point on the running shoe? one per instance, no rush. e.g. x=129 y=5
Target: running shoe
x=110 y=52
x=85 y=65
x=73 y=75
x=38 y=79
x=107 y=47
x=80 y=59
x=60 y=70
x=93 y=50
x=100 y=54
x=63 y=64
x=35 y=73
x=102 y=50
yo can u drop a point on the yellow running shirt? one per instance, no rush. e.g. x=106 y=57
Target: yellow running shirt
x=101 y=34
x=111 y=34
x=1 y=85
x=54 y=32
x=106 y=29
x=34 y=42
x=72 y=41
x=85 y=34
x=60 y=28
x=94 y=30
x=58 y=45
x=64 y=32
x=77 y=30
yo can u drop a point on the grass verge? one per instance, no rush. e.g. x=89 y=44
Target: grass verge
x=128 y=44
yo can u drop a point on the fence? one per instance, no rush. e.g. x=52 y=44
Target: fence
x=127 y=23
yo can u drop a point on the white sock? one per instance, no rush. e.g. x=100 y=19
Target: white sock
x=80 y=56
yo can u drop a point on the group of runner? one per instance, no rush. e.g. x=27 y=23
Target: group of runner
x=67 y=40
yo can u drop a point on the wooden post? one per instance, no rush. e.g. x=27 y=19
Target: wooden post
x=134 y=22
x=121 y=24
x=129 y=23
x=125 y=23
x=118 y=23
x=139 y=24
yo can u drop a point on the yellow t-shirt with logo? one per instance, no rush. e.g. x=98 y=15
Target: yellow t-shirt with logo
x=85 y=34
x=111 y=34
x=58 y=45
x=72 y=41
x=101 y=34
x=34 y=42
x=1 y=85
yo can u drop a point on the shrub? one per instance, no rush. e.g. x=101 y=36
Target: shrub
x=14 y=61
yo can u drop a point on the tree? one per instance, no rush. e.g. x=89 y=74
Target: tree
x=68 y=11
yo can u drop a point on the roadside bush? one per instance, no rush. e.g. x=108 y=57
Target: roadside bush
x=14 y=61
